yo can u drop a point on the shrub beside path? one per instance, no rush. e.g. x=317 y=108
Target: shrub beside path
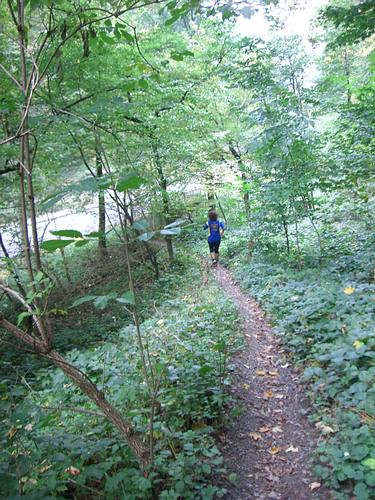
x=270 y=445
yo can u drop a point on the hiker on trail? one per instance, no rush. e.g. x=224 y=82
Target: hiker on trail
x=216 y=228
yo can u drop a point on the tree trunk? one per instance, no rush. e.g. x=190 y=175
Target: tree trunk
x=286 y=234
x=26 y=174
x=165 y=199
x=102 y=241
x=245 y=197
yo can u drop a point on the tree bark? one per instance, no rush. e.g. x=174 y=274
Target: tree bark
x=165 y=199
x=245 y=197
x=102 y=241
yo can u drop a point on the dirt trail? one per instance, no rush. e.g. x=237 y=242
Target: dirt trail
x=269 y=447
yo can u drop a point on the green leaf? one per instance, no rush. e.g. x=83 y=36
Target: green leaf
x=128 y=37
x=52 y=245
x=146 y=236
x=143 y=84
x=362 y=492
x=82 y=300
x=22 y=316
x=369 y=462
x=176 y=56
x=81 y=243
x=172 y=231
x=141 y=225
x=69 y=233
x=130 y=181
x=39 y=276
x=172 y=20
x=179 y=55
x=102 y=300
x=159 y=368
x=176 y=223
x=126 y=298
x=93 y=234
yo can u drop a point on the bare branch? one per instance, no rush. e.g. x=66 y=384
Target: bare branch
x=73 y=409
x=27 y=306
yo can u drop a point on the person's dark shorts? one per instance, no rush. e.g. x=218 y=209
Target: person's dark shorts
x=214 y=246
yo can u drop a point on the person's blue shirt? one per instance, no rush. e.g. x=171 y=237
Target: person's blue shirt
x=214 y=226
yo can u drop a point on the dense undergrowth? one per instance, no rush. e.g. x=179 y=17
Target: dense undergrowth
x=325 y=315
x=50 y=451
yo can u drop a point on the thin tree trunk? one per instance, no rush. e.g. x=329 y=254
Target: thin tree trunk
x=286 y=234
x=102 y=241
x=347 y=74
x=165 y=199
x=26 y=170
x=245 y=197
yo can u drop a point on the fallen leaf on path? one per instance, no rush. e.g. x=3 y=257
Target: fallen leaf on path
x=73 y=471
x=246 y=386
x=314 y=486
x=45 y=468
x=272 y=373
x=285 y=366
x=260 y=373
x=279 y=396
x=255 y=436
x=268 y=394
x=292 y=449
x=276 y=429
x=324 y=428
x=273 y=495
x=264 y=429
x=349 y=290
x=274 y=450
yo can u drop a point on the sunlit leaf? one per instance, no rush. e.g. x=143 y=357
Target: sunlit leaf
x=52 y=245
x=130 y=181
x=172 y=231
x=146 y=236
x=176 y=223
x=369 y=462
x=70 y=233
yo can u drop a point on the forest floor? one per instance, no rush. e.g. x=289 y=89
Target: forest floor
x=270 y=445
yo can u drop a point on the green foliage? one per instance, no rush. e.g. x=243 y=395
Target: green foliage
x=190 y=338
x=357 y=21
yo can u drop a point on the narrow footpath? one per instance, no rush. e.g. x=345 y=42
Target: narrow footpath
x=270 y=445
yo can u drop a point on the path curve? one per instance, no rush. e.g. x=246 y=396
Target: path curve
x=270 y=446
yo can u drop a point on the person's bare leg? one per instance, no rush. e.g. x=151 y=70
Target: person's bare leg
x=213 y=254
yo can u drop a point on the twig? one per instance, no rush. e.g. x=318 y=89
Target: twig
x=14 y=79
x=73 y=409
